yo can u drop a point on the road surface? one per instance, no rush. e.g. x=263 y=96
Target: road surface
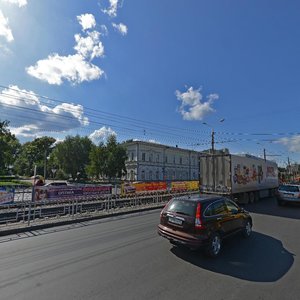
x=124 y=258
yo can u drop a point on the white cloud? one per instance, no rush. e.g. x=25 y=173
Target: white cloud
x=101 y=134
x=104 y=30
x=87 y=21
x=292 y=143
x=73 y=68
x=5 y=30
x=112 y=10
x=121 y=28
x=21 y=3
x=28 y=116
x=192 y=107
x=90 y=46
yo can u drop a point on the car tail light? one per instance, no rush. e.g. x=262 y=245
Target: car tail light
x=161 y=213
x=198 y=219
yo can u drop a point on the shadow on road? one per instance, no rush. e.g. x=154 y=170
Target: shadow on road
x=260 y=258
x=269 y=206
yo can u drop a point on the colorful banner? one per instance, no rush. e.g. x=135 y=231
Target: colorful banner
x=139 y=187
x=6 y=195
x=184 y=185
x=192 y=185
x=151 y=186
x=70 y=192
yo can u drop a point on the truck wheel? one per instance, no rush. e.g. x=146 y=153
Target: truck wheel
x=214 y=245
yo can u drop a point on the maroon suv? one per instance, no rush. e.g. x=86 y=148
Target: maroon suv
x=202 y=222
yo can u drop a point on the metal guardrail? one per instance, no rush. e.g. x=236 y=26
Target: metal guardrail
x=26 y=212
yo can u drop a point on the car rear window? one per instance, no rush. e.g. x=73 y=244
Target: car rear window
x=289 y=188
x=183 y=207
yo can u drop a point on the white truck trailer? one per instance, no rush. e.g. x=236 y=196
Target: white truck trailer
x=244 y=178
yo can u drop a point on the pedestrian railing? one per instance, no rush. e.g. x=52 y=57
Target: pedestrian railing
x=26 y=213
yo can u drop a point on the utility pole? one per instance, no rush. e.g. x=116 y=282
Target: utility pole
x=213 y=153
x=212 y=141
x=213 y=158
x=265 y=156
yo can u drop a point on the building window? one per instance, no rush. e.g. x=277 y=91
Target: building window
x=174 y=159
x=194 y=175
x=166 y=175
x=143 y=156
x=132 y=156
x=131 y=175
x=150 y=157
x=143 y=175
x=150 y=175
x=157 y=158
x=157 y=175
x=180 y=160
x=174 y=175
x=166 y=159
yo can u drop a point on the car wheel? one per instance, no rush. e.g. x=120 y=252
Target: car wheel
x=247 y=229
x=214 y=245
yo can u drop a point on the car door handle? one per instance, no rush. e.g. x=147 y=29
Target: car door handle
x=220 y=218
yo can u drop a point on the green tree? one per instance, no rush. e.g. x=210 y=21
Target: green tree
x=34 y=153
x=98 y=160
x=108 y=160
x=116 y=158
x=72 y=155
x=9 y=148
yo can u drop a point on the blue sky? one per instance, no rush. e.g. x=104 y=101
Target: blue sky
x=154 y=70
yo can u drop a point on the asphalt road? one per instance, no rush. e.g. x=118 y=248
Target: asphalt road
x=124 y=258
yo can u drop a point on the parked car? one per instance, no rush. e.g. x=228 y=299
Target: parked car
x=203 y=222
x=288 y=193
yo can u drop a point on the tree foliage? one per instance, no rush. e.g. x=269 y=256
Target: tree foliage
x=72 y=155
x=34 y=153
x=9 y=148
x=76 y=156
x=107 y=160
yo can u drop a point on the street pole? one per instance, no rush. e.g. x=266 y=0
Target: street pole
x=213 y=158
x=45 y=164
x=212 y=141
x=213 y=153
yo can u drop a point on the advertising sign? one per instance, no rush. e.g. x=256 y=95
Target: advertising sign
x=71 y=192
x=7 y=195
x=139 y=187
x=184 y=185
x=150 y=186
x=192 y=185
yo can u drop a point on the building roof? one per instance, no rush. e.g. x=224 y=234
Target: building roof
x=158 y=145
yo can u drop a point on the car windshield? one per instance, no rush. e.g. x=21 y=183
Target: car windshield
x=289 y=188
x=183 y=207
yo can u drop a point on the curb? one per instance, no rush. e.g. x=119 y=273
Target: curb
x=78 y=220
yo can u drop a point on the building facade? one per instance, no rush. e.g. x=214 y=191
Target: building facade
x=153 y=162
